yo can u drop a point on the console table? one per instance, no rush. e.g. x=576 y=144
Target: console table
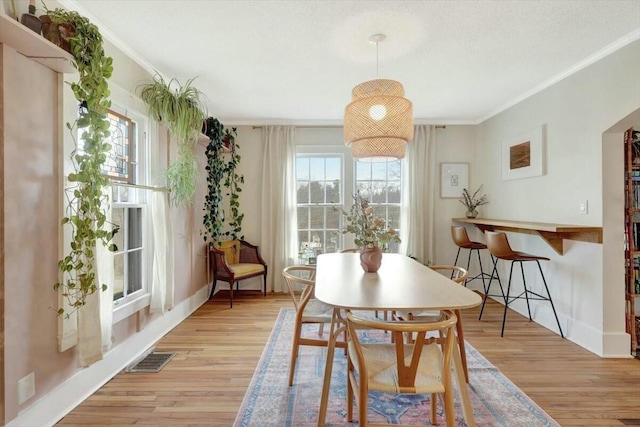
x=553 y=234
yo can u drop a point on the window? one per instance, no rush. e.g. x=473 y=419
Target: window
x=380 y=182
x=320 y=190
x=326 y=177
x=126 y=170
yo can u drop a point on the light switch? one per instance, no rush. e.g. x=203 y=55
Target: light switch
x=583 y=207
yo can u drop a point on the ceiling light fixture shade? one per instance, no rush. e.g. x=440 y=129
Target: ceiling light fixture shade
x=378 y=122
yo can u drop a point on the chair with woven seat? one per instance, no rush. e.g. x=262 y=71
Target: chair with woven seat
x=423 y=367
x=300 y=281
x=235 y=260
x=461 y=240
x=458 y=275
x=499 y=247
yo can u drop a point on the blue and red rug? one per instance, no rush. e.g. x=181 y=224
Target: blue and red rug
x=270 y=402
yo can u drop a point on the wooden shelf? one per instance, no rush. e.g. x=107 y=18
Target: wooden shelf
x=553 y=234
x=34 y=46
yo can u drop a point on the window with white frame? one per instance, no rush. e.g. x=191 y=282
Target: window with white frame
x=380 y=182
x=126 y=170
x=320 y=189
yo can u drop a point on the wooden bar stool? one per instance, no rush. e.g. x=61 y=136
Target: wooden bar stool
x=499 y=248
x=462 y=241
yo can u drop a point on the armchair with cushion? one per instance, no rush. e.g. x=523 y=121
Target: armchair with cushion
x=235 y=260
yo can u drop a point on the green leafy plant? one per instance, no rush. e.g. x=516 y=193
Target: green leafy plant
x=473 y=201
x=370 y=231
x=84 y=213
x=223 y=159
x=181 y=109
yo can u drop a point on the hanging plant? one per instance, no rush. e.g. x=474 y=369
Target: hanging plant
x=222 y=171
x=84 y=212
x=180 y=108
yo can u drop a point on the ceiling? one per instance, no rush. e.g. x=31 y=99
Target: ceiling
x=295 y=62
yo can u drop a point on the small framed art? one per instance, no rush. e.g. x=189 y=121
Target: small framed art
x=454 y=177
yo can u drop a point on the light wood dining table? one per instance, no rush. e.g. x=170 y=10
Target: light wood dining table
x=401 y=284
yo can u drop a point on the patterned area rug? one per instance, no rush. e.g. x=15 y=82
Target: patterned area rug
x=269 y=401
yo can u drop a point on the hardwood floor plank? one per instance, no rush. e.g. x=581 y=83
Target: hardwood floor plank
x=218 y=349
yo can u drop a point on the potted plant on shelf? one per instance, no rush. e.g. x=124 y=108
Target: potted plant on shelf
x=84 y=211
x=471 y=202
x=180 y=108
x=372 y=234
x=222 y=163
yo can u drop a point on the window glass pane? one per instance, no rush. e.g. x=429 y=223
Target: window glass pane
x=316 y=192
x=365 y=189
x=303 y=217
x=334 y=171
x=134 y=270
x=118 y=278
x=363 y=171
x=333 y=218
x=379 y=192
x=394 y=217
x=303 y=239
x=135 y=228
x=117 y=217
x=394 y=171
x=393 y=192
x=333 y=191
x=379 y=170
x=303 y=192
x=316 y=218
x=302 y=168
x=316 y=168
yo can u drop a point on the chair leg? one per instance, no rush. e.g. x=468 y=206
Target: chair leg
x=434 y=409
x=468 y=264
x=463 y=351
x=448 y=406
x=457 y=255
x=506 y=300
x=526 y=290
x=264 y=284
x=294 y=351
x=231 y=294
x=550 y=300
x=213 y=288
x=488 y=288
x=484 y=285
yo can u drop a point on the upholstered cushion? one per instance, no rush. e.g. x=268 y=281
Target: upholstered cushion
x=243 y=269
x=231 y=249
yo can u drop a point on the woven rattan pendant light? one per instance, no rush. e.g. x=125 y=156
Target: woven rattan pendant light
x=378 y=122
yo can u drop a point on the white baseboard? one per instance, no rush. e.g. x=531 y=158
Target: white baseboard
x=63 y=399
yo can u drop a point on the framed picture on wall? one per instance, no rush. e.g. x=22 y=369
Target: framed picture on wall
x=454 y=177
x=523 y=155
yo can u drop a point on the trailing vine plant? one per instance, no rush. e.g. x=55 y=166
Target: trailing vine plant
x=181 y=110
x=222 y=171
x=84 y=212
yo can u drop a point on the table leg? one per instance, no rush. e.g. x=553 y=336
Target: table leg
x=331 y=346
x=467 y=410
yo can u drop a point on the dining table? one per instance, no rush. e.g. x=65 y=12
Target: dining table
x=401 y=284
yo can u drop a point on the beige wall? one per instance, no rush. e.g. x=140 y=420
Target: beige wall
x=575 y=113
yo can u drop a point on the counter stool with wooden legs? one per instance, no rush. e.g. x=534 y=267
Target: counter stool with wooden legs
x=499 y=248
x=462 y=241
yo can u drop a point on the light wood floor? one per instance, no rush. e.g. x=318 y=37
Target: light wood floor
x=218 y=349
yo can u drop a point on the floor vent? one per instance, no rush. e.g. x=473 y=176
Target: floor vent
x=152 y=362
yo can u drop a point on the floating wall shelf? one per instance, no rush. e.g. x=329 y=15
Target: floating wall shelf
x=34 y=46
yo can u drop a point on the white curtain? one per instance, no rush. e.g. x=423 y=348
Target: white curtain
x=95 y=318
x=279 y=224
x=418 y=194
x=163 y=261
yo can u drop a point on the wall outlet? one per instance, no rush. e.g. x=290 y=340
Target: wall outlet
x=583 y=207
x=26 y=388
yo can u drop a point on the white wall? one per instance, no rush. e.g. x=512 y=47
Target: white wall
x=575 y=113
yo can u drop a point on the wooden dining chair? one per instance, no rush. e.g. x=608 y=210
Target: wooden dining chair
x=422 y=367
x=300 y=281
x=458 y=275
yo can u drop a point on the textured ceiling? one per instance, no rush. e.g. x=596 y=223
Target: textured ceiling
x=269 y=62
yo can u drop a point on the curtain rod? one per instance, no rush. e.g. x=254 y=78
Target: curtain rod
x=332 y=126
x=138 y=186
